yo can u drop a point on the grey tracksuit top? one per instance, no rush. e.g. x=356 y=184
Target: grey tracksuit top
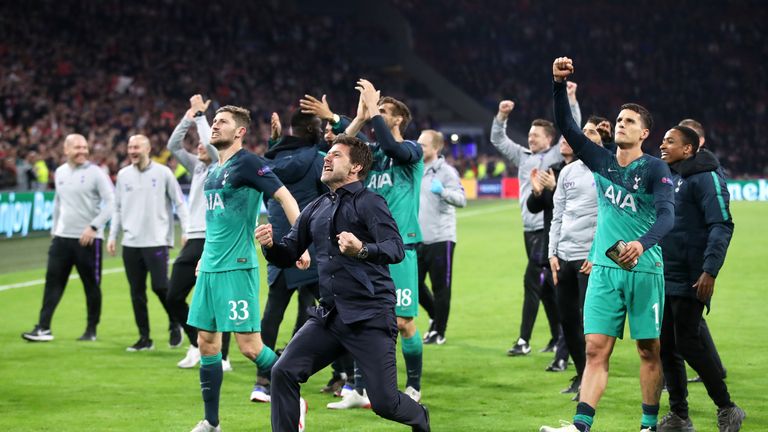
x=198 y=169
x=525 y=161
x=437 y=213
x=574 y=217
x=84 y=197
x=144 y=202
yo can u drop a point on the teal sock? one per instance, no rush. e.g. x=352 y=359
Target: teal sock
x=584 y=417
x=265 y=360
x=413 y=349
x=211 y=377
x=650 y=417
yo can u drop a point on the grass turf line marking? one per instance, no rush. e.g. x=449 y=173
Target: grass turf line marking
x=36 y=282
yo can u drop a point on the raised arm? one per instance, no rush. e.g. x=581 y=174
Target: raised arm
x=590 y=153
x=508 y=148
x=175 y=144
x=406 y=152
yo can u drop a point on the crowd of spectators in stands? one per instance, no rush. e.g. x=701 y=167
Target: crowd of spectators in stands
x=110 y=69
x=684 y=59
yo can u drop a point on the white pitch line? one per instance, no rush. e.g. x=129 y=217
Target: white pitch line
x=36 y=282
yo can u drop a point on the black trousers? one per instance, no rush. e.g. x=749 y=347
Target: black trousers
x=139 y=261
x=277 y=302
x=63 y=254
x=538 y=288
x=706 y=337
x=571 y=289
x=183 y=279
x=321 y=341
x=436 y=259
x=681 y=340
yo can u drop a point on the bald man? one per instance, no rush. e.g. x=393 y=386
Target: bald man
x=146 y=194
x=82 y=206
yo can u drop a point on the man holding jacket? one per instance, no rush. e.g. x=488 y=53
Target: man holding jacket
x=694 y=252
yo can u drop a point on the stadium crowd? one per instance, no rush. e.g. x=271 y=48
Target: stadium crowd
x=690 y=67
x=113 y=71
x=121 y=73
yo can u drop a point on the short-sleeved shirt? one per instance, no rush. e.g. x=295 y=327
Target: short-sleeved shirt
x=233 y=196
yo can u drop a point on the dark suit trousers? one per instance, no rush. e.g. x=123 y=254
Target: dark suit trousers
x=321 y=341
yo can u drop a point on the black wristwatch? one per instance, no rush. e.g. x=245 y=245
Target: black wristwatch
x=94 y=228
x=363 y=254
x=199 y=114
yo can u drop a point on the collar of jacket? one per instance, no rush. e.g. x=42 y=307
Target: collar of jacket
x=703 y=161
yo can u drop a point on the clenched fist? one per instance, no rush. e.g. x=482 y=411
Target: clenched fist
x=264 y=235
x=562 y=68
x=505 y=107
x=349 y=245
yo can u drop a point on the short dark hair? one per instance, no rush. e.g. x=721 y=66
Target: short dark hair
x=596 y=120
x=689 y=136
x=549 y=127
x=241 y=115
x=645 y=115
x=359 y=153
x=301 y=123
x=399 y=109
x=693 y=124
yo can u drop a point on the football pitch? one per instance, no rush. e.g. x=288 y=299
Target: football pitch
x=469 y=384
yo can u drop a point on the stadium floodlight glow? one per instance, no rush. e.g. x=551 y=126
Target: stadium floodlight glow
x=454 y=138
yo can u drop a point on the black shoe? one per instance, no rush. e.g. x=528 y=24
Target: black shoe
x=38 y=334
x=729 y=419
x=574 y=386
x=141 y=345
x=334 y=384
x=88 y=336
x=416 y=428
x=672 y=422
x=558 y=365
x=431 y=338
x=521 y=348
x=175 y=340
x=550 y=347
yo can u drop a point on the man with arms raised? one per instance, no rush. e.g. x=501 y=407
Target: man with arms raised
x=636 y=206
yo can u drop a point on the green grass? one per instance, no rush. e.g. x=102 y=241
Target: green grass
x=469 y=383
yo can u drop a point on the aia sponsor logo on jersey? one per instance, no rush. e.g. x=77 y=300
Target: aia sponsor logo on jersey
x=213 y=202
x=620 y=198
x=378 y=181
